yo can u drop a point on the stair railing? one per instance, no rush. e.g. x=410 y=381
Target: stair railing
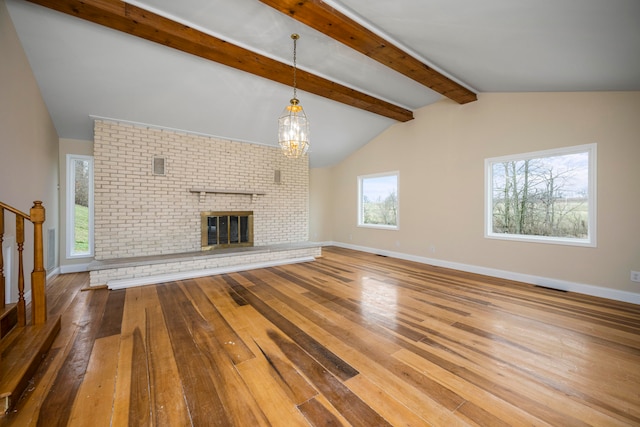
x=38 y=275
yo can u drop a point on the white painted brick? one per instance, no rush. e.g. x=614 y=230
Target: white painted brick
x=137 y=213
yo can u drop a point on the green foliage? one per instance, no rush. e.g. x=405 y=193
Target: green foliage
x=381 y=212
x=81 y=231
x=82 y=182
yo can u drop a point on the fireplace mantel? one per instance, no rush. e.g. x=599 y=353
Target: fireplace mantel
x=203 y=192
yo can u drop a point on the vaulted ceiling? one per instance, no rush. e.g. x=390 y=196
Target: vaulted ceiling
x=223 y=68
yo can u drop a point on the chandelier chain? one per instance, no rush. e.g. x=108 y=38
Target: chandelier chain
x=295 y=40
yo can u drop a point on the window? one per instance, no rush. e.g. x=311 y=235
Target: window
x=79 y=206
x=546 y=196
x=378 y=200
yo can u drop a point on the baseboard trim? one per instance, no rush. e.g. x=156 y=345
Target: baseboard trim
x=74 y=268
x=53 y=273
x=170 y=277
x=564 y=285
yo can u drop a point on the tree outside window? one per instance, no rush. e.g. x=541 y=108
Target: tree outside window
x=378 y=200
x=79 y=206
x=544 y=196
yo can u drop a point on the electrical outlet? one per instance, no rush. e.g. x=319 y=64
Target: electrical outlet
x=635 y=276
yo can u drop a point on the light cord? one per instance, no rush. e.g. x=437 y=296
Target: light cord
x=295 y=39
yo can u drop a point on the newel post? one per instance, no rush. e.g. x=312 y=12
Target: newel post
x=38 y=276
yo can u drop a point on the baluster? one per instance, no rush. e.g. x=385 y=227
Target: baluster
x=38 y=276
x=2 y=281
x=22 y=318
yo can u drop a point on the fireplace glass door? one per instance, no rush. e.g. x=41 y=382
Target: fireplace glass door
x=227 y=229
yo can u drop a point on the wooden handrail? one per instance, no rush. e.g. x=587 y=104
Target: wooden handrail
x=15 y=211
x=38 y=275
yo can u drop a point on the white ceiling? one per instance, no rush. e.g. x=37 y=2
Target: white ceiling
x=85 y=70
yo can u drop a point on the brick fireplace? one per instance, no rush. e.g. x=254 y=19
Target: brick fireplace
x=152 y=186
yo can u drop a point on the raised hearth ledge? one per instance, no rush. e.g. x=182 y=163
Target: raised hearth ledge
x=172 y=277
x=137 y=271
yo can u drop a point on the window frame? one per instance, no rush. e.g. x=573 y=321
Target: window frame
x=71 y=197
x=360 y=219
x=589 y=241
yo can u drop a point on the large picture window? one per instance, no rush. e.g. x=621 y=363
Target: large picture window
x=545 y=196
x=79 y=206
x=378 y=200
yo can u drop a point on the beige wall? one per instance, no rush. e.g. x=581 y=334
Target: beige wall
x=28 y=142
x=320 y=203
x=440 y=156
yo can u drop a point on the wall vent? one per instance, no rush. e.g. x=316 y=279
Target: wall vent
x=158 y=166
x=277 y=177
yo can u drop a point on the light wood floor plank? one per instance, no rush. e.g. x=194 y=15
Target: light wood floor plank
x=287 y=377
x=137 y=300
x=210 y=377
x=319 y=412
x=120 y=416
x=94 y=402
x=258 y=374
x=391 y=409
x=168 y=406
x=225 y=336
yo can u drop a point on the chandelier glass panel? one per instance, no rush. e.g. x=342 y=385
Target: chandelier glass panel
x=293 y=125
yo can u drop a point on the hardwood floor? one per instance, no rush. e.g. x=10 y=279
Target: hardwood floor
x=350 y=339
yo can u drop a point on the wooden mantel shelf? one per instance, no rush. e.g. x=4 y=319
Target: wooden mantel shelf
x=217 y=191
x=202 y=192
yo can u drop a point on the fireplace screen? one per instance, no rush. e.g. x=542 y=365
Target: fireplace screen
x=227 y=229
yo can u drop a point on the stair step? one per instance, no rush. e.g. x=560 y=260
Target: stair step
x=21 y=352
x=8 y=319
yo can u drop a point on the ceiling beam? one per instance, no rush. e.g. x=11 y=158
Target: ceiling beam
x=324 y=18
x=139 y=22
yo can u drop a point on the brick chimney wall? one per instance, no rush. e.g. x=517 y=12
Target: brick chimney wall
x=139 y=213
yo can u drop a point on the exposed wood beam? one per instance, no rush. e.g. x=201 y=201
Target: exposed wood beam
x=324 y=18
x=150 y=26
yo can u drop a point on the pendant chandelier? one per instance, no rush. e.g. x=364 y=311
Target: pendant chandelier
x=293 y=126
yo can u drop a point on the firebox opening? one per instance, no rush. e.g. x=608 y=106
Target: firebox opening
x=226 y=229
